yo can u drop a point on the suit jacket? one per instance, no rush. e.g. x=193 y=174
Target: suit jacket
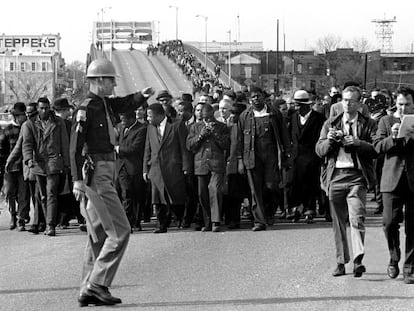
x=246 y=128
x=328 y=149
x=165 y=161
x=337 y=109
x=398 y=156
x=304 y=140
x=131 y=148
x=49 y=150
x=210 y=152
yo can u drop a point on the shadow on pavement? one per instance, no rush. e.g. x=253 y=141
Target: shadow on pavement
x=259 y=301
x=50 y=289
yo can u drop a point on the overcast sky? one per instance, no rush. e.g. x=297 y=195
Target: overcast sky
x=302 y=21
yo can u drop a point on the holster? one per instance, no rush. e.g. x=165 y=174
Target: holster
x=88 y=170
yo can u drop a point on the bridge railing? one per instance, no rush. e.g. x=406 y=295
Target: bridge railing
x=224 y=77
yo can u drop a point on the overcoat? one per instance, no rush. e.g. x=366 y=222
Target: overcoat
x=166 y=161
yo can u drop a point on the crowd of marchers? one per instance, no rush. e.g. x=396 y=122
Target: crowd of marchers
x=202 y=164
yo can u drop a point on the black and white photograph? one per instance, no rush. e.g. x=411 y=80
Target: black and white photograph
x=206 y=155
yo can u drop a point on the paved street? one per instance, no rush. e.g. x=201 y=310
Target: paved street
x=285 y=268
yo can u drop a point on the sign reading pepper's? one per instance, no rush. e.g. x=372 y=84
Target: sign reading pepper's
x=44 y=43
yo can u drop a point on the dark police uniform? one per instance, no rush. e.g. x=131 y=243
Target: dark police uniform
x=108 y=226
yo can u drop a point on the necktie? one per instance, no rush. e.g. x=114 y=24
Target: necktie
x=353 y=153
x=159 y=133
x=111 y=131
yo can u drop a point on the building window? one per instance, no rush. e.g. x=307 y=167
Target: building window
x=11 y=66
x=395 y=65
x=310 y=68
x=22 y=67
x=300 y=68
x=44 y=66
x=33 y=66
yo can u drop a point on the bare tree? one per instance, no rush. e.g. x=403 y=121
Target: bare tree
x=328 y=43
x=361 y=44
x=30 y=86
x=349 y=70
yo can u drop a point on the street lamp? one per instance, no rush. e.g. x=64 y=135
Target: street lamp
x=229 y=32
x=158 y=30
x=205 y=38
x=176 y=20
x=102 y=20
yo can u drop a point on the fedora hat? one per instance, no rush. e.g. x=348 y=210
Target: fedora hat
x=301 y=97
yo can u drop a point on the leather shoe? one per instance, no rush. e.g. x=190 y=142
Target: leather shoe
x=42 y=227
x=21 y=227
x=258 y=228
x=339 y=270
x=185 y=225
x=86 y=300
x=205 y=229
x=101 y=293
x=233 y=226
x=359 y=269
x=216 y=228
x=13 y=223
x=33 y=229
x=51 y=231
x=409 y=278
x=393 y=271
x=160 y=230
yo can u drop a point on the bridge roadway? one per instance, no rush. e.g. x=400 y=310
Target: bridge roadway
x=137 y=71
x=287 y=267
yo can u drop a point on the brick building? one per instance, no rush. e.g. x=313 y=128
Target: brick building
x=29 y=67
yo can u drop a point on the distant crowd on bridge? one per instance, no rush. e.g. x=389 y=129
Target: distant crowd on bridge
x=209 y=163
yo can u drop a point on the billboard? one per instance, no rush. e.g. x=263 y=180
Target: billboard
x=46 y=43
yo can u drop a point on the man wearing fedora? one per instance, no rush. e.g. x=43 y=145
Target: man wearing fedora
x=305 y=126
x=164 y=97
x=67 y=204
x=16 y=188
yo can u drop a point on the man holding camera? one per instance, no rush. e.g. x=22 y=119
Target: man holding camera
x=346 y=143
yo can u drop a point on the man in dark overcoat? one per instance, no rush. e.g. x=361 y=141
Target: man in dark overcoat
x=129 y=164
x=305 y=126
x=166 y=162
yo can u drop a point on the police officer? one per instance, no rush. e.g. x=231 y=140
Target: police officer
x=92 y=164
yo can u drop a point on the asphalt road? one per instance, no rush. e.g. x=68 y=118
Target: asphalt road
x=137 y=71
x=287 y=267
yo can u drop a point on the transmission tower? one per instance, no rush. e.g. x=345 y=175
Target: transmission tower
x=384 y=33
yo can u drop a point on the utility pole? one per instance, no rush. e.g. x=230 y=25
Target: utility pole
x=205 y=38
x=365 y=71
x=229 y=58
x=276 y=86
x=176 y=20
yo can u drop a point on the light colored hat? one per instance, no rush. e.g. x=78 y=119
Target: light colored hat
x=301 y=97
